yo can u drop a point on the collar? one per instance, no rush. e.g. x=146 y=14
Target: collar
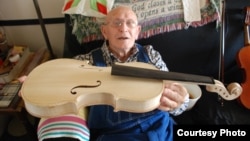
x=112 y=57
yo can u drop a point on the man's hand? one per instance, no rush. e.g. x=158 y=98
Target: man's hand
x=173 y=96
x=21 y=80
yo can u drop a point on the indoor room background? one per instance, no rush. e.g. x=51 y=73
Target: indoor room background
x=19 y=21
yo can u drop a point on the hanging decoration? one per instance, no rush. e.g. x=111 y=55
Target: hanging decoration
x=154 y=16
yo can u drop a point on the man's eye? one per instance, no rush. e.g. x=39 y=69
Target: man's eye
x=117 y=23
x=131 y=24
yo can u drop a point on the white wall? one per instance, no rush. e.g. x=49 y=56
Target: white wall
x=32 y=35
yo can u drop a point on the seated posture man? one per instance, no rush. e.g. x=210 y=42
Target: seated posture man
x=120 y=31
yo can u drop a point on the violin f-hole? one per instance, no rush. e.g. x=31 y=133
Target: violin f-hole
x=85 y=86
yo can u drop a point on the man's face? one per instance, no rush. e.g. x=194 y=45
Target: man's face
x=121 y=28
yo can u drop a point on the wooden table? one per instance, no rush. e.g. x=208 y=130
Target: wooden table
x=17 y=108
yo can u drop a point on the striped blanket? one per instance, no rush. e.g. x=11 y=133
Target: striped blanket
x=72 y=126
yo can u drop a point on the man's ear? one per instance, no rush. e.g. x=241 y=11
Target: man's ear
x=103 y=30
x=138 y=31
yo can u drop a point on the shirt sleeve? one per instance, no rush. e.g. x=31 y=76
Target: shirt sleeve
x=155 y=58
x=182 y=108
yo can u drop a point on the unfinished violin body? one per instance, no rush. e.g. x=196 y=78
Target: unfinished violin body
x=63 y=86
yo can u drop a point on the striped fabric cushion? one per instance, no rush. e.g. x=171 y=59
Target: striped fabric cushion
x=72 y=126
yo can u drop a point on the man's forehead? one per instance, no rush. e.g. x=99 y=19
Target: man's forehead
x=121 y=13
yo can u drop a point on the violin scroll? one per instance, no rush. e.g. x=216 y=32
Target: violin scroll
x=235 y=88
x=232 y=92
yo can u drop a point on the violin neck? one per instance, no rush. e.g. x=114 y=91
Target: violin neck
x=246 y=35
x=157 y=74
x=246 y=27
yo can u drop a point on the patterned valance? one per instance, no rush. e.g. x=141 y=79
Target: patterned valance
x=155 y=17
